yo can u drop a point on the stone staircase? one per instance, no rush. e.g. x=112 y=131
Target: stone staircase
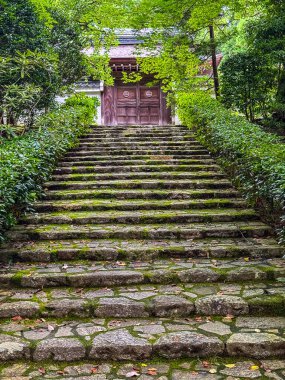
x=144 y=262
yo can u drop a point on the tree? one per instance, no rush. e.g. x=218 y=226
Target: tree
x=253 y=68
x=20 y=28
x=188 y=34
x=247 y=84
x=42 y=51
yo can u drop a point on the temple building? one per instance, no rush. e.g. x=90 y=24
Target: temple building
x=131 y=103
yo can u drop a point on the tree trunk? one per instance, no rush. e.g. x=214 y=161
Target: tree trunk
x=214 y=60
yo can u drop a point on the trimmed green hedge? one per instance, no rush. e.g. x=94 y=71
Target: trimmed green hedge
x=26 y=162
x=253 y=158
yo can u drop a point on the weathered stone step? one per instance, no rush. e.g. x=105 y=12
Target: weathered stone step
x=178 y=303
x=136 y=152
x=104 y=138
x=113 y=250
x=142 y=216
x=82 y=151
x=136 y=168
x=160 y=175
x=163 y=369
x=138 y=184
x=149 y=231
x=103 y=204
x=142 y=339
x=162 y=144
x=140 y=132
x=142 y=194
x=202 y=158
x=163 y=160
x=139 y=128
x=139 y=141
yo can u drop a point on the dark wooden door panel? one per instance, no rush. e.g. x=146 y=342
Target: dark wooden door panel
x=135 y=105
x=127 y=115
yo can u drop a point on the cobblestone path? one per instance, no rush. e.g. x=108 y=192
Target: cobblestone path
x=141 y=262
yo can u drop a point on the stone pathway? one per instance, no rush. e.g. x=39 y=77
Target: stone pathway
x=141 y=262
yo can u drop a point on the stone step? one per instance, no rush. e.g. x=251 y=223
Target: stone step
x=124 y=205
x=164 y=301
x=68 y=169
x=224 y=368
x=202 y=158
x=138 y=139
x=122 y=161
x=138 y=128
x=136 y=152
x=142 y=216
x=83 y=151
x=115 y=176
x=114 y=250
x=142 y=339
x=141 y=184
x=145 y=231
x=146 y=144
x=209 y=194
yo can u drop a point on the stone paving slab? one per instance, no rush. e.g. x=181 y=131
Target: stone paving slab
x=142 y=216
x=98 y=205
x=140 y=339
x=83 y=299
x=138 y=194
x=137 y=272
x=121 y=250
x=245 y=229
x=93 y=176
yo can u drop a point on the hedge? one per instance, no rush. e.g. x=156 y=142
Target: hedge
x=26 y=162
x=253 y=158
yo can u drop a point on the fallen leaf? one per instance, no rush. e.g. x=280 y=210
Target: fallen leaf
x=228 y=318
x=213 y=370
x=17 y=318
x=121 y=264
x=132 y=374
x=254 y=367
x=50 y=328
x=94 y=369
x=230 y=365
x=152 y=371
x=42 y=370
x=144 y=365
x=246 y=259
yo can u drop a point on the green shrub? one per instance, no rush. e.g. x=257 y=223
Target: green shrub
x=28 y=161
x=255 y=159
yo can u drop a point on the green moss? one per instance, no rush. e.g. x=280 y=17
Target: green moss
x=267 y=305
x=17 y=277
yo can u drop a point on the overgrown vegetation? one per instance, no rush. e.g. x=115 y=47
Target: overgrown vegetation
x=254 y=158
x=253 y=69
x=27 y=161
x=43 y=46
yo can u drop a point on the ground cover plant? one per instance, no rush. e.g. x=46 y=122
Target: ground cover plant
x=27 y=161
x=254 y=158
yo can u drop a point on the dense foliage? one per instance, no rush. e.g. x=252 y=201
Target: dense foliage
x=254 y=158
x=43 y=45
x=253 y=69
x=27 y=161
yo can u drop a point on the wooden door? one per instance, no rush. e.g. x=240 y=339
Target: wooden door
x=126 y=105
x=149 y=105
x=135 y=104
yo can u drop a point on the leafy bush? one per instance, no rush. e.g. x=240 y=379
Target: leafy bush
x=254 y=158
x=28 y=161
